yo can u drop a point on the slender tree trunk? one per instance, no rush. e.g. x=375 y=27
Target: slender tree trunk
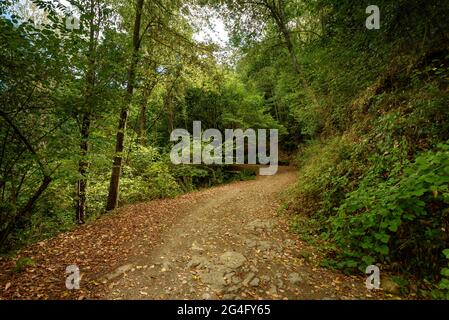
x=278 y=14
x=290 y=48
x=25 y=213
x=23 y=216
x=113 y=195
x=170 y=116
x=168 y=103
x=83 y=167
x=83 y=164
x=295 y=63
x=143 y=119
x=142 y=132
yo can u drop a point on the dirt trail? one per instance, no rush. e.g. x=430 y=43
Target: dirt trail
x=232 y=244
x=226 y=242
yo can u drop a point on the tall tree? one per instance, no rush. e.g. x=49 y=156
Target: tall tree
x=254 y=15
x=85 y=121
x=113 y=194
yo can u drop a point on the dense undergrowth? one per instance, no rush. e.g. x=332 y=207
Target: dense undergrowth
x=374 y=172
x=147 y=176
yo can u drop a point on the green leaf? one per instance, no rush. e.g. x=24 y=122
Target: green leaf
x=444 y=284
x=368 y=260
x=446 y=253
x=394 y=225
x=445 y=272
x=383 y=249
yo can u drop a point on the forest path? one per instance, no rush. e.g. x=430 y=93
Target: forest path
x=225 y=242
x=232 y=244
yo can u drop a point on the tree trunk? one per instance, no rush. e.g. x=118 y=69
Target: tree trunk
x=23 y=216
x=278 y=14
x=142 y=121
x=290 y=47
x=142 y=129
x=83 y=164
x=168 y=103
x=295 y=63
x=170 y=114
x=113 y=195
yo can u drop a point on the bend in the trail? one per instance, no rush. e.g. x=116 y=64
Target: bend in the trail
x=226 y=242
x=232 y=244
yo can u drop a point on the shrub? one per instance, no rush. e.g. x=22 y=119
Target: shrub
x=403 y=219
x=443 y=287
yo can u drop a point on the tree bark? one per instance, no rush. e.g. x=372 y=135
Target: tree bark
x=142 y=132
x=114 y=185
x=143 y=119
x=170 y=115
x=168 y=103
x=83 y=167
x=83 y=164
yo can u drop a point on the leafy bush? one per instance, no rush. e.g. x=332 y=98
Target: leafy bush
x=328 y=171
x=190 y=177
x=402 y=219
x=148 y=176
x=443 y=286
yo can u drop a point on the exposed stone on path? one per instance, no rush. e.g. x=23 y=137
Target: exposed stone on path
x=294 y=278
x=280 y=283
x=166 y=266
x=215 y=279
x=237 y=253
x=260 y=225
x=229 y=296
x=232 y=259
x=234 y=288
x=196 y=247
x=259 y=245
x=198 y=261
x=255 y=282
x=273 y=290
x=248 y=278
x=118 y=272
x=209 y=296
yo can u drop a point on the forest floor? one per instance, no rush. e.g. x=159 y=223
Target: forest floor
x=227 y=242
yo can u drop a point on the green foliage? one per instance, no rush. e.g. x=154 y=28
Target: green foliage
x=245 y=175
x=23 y=263
x=62 y=92
x=399 y=219
x=372 y=145
x=443 y=286
x=328 y=171
x=155 y=181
